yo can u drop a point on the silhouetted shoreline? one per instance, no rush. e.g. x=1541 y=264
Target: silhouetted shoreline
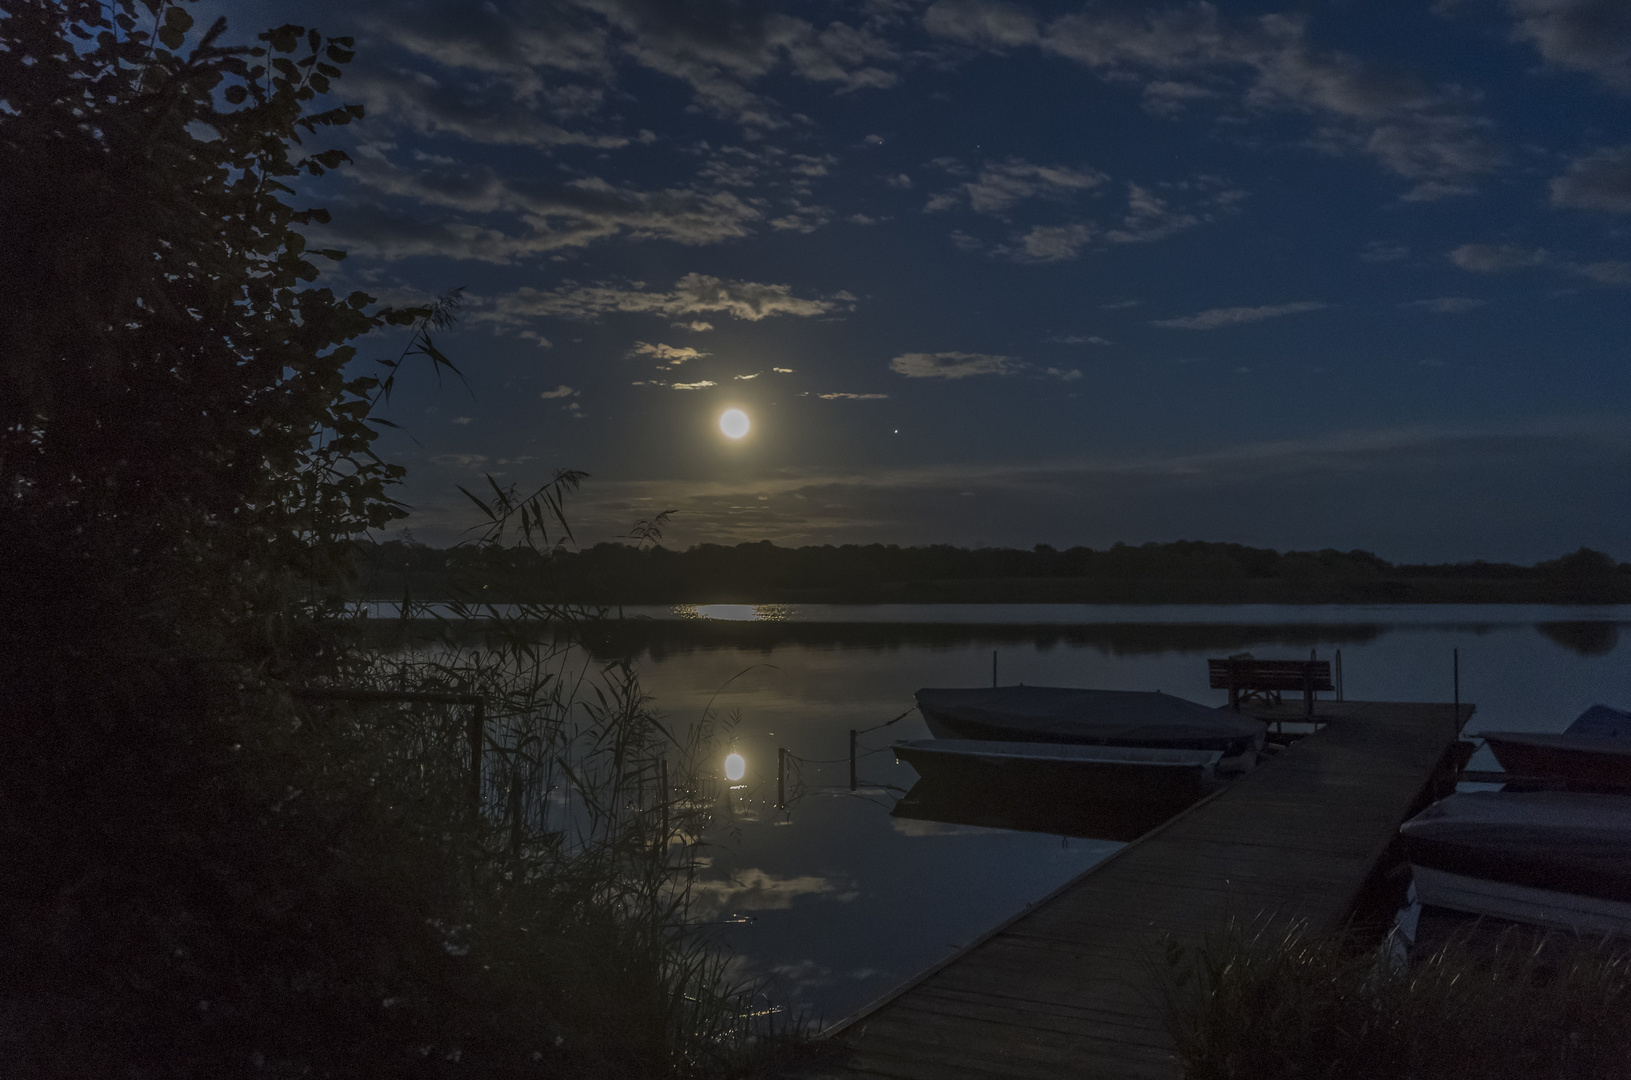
x=1184 y=572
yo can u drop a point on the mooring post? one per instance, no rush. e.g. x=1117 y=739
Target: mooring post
x=852 y=759
x=993 y=667
x=663 y=770
x=478 y=724
x=781 y=778
x=1455 y=674
x=1339 y=675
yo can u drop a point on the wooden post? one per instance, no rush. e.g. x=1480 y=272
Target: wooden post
x=852 y=759
x=663 y=769
x=478 y=724
x=781 y=778
x=1455 y=674
x=993 y=669
x=1339 y=676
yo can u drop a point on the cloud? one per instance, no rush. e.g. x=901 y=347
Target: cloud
x=562 y=391
x=852 y=397
x=487 y=113
x=1590 y=36
x=692 y=294
x=696 y=327
x=1383 y=251
x=1148 y=219
x=550 y=215
x=667 y=353
x=1001 y=185
x=1447 y=305
x=1425 y=134
x=1493 y=258
x=1490 y=258
x=953 y=365
x=1600 y=181
x=694 y=385
x=782 y=370
x=1078 y=339
x=1049 y=243
x=461 y=420
x=1236 y=316
x=529 y=50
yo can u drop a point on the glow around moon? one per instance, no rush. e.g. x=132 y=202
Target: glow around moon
x=734 y=423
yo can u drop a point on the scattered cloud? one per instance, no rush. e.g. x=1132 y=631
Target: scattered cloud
x=461 y=420
x=1049 y=243
x=1589 y=36
x=1383 y=251
x=952 y=365
x=1489 y=258
x=1494 y=258
x=1422 y=133
x=1214 y=318
x=696 y=327
x=1447 y=305
x=1000 y=185
x=782 y=370
x=692 y=294
x=703 y=384
x=1600 y=181
x=1063 y=374
x=667 y=353
x=551 y=215
x=1078 y=339
x=562 y=391
x=852 y=397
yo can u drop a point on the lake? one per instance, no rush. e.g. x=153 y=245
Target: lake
x=833 y=900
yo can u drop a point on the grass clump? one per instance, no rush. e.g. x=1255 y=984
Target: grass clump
x=1283 y=1003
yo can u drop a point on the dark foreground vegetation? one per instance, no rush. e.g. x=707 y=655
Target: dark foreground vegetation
x=1279 y=1006
x=1182 y=572
x=207 y=871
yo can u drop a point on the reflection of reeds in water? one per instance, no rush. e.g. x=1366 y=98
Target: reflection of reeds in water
x=593 y=810
x=1271 y=1002
x=585 y=847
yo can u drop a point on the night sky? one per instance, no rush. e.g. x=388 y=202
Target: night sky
x=1328 y=275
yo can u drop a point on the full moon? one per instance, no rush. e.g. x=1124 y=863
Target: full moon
x=734 y=423
x=735 y=767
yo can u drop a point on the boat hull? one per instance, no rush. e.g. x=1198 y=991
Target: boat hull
x=1521 y=903
x=1063 y=715
x=1580 y=762
x=1101 y=772
x=1561 y=858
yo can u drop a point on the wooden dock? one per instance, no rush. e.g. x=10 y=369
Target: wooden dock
x=1066 y=988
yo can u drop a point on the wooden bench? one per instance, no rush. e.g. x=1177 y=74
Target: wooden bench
x=1246 y=675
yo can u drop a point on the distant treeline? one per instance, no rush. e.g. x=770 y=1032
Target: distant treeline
x=1181 y=572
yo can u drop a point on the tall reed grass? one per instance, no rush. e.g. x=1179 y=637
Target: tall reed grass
x=592 y=820
x=1268 y=1002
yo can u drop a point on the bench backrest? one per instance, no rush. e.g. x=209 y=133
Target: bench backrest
x=1270 y=674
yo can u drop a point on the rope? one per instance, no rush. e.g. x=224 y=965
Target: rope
x=886 y=723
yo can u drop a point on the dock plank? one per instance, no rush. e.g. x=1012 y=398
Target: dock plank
x=1068 y=987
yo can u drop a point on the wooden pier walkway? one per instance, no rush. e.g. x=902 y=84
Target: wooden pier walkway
x=1066 y=989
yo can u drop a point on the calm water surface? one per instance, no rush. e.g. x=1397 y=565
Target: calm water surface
x=834 y=900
